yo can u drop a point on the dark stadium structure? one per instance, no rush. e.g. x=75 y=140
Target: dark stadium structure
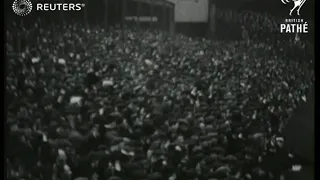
x=133 y=12
x=300 y=137
x=112 y=13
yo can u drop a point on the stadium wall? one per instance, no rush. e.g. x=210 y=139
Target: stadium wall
x=149 y=15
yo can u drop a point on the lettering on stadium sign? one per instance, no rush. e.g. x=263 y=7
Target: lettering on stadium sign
x=142 y=18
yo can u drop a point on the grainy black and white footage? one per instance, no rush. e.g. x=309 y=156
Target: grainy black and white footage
x=95 y=99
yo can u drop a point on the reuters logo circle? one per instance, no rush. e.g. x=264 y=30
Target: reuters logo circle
x=22 y=7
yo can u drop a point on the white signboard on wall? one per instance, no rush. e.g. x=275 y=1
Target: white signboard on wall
x=191 y=10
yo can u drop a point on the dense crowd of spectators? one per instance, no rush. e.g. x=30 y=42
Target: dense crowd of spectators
x=87 y=103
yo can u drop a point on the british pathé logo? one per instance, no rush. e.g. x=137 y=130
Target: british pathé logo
x=294 y=25
x=297 y=5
